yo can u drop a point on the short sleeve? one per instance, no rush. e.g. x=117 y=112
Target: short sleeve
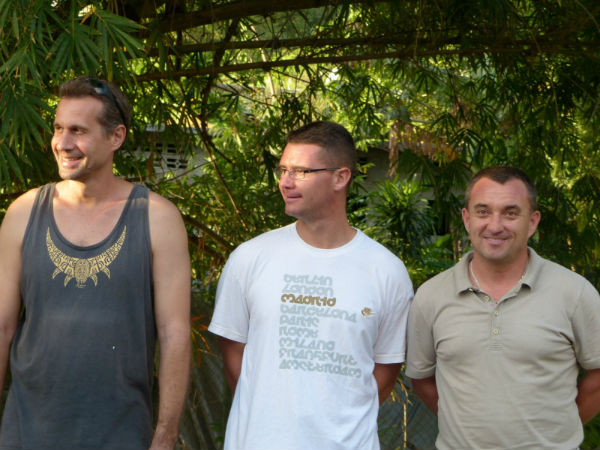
x=390 y=347
x=230 y=317
x=586 y=328
x=421 y=358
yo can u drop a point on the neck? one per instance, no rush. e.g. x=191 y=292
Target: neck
x=495 y=278
x=325 y=233
x=91 y=192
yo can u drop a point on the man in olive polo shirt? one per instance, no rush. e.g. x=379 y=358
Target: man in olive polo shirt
x=496 y=343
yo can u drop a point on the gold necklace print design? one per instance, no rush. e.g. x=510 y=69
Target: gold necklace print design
x=83 y=268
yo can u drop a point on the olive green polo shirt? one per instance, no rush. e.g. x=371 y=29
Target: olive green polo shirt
x=506 y=372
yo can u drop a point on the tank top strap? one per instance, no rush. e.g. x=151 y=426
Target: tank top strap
x=42 y=206
x=135 y=214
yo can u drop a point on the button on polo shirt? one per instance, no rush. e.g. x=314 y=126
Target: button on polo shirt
x=495 y=330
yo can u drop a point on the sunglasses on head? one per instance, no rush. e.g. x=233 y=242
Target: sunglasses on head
x=102 y=89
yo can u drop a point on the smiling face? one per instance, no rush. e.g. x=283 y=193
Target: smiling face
x=500 y=220
x=80 y=144
x=311 y=198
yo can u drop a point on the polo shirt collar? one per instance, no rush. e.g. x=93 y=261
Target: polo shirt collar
x=463 y=282
x=461 y=274
x=534 y=266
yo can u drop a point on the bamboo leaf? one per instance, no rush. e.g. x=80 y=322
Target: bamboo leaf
x=15 y=24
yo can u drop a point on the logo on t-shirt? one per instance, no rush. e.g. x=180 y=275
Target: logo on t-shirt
x=83 y=268
x=307 y=339
x=367 y=312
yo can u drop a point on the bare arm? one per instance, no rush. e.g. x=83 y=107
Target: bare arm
x=426 y=388
x=588 y=395
x=11 y=241
x=233 y=353
x=385 y=376
x=172 y=278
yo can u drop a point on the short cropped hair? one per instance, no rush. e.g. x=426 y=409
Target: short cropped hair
x=331 y=137
x=117 y=109
x=502 y=174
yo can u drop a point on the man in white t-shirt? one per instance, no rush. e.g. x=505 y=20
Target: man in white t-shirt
x=312 y=316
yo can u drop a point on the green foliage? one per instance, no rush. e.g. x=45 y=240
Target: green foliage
x=444 y=88
x=401 y=216
x=398 y=215
x=42 y=44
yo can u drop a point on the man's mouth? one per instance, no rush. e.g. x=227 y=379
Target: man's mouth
x=292 y=196
x=495 y=240
x=69 y=161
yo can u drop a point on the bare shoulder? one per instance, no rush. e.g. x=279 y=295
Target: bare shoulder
x=166 y=223
x=17 y=214
x=161 y=209
x=13 y=228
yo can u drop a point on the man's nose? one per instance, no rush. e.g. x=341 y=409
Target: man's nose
x=285 y=180
x=495 y=222
x=64 y=141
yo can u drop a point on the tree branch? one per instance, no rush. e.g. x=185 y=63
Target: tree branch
x=404 y=55
x=370 y=41
x=199 y=243
x=203 y=125
x=207 y=231
x=240 y=9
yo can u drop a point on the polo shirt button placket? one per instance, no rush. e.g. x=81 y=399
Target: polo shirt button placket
x=496 y=322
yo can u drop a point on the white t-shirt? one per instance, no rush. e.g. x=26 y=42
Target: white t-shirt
x=314 y=322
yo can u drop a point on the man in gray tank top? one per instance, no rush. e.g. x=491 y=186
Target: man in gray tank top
x=93 y=269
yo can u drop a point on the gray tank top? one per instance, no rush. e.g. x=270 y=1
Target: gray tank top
x=82 y=357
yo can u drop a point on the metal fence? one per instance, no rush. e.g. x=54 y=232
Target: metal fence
x=405 y=422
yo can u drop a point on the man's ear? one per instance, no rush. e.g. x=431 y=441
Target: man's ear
x=342 y=178
x=534 y=220
x=465 y=218
x=118 y=136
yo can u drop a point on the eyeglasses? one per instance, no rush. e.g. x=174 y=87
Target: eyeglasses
x=102 y=89
x=299 y=174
